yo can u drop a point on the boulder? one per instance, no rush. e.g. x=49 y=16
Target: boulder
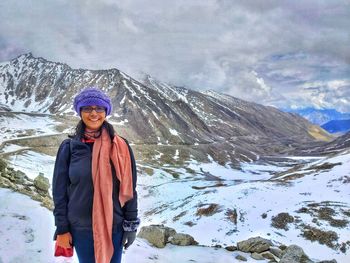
x=231 y=248
x=182 y=240
x=48 y=203
x=9 y=174
x=257 y=256
x=157 y=235
x=3 y=165
x=294 y=254
x=270 y=256
x=254 y=244
x=19 y=177
x=276 y=251
x=41 y=183
x=240 y=258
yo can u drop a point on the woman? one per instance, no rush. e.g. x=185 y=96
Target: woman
x=94 y=185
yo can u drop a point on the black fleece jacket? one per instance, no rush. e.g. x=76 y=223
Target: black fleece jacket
x=72 y=189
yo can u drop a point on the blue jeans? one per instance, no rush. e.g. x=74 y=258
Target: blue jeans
x=84 y=246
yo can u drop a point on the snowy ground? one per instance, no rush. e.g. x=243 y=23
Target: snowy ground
x=174 y=202
x=22 y=124
x=162 y=198
x=26 y=236
x=256 y=189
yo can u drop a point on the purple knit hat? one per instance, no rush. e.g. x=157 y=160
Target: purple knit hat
x=92 y=97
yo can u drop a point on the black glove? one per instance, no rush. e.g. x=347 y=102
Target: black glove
x=128 y=238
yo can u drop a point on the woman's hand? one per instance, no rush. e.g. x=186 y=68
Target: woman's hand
x=128 y=238
x=64 y=240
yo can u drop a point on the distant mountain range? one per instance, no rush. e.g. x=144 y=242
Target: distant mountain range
x=337 y=126
x=331 y=120
x=156 y=113
x=320 y=116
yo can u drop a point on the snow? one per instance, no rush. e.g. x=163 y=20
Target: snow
x=169 y=92
x=155 y=115
x=176 y=156
x=121 y=123
x=10 y=148
x=144 y=93
x=124 y=75
x=24 y=238
x=158 y=156
x=173 y=132
x=22 y=124
x=27 y=228
x=122 y=101
x=251 y=193
x=42 y=164
x=133 y=93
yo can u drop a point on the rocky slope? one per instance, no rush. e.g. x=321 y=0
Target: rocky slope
x=332 y=147
x=154 y=113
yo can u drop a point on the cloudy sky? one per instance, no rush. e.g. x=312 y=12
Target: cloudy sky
x=283 y=53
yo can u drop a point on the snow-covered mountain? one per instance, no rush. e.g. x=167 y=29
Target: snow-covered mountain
x=157 y=113
x=320 y=116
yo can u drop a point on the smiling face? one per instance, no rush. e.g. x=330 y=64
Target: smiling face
x=93 y=120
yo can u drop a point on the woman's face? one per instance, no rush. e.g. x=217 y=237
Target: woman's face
x=94 y=119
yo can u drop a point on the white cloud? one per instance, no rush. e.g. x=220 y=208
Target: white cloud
x=214 y=44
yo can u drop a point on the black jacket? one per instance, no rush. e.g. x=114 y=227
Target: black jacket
x=72 y=188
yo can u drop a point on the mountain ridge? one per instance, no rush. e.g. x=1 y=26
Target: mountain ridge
x=153 y=112
x=337 y=126
x=320 y=116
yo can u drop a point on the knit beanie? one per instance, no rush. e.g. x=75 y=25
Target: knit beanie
x=92 y=97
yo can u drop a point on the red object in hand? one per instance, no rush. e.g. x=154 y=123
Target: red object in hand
x=64 y=252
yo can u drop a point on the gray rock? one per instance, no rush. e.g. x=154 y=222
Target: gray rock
x=328 y=261
x=3 y=182
x=276 y=251
x=7 y=183
x=254 y=244
x=295 y=254
x=48 y=203
x=36 y=197
x=269 y=255
x=257 y=256
x=8 y=175
x=25 y=191
x=19 y=177
x=41 y=183
x=3 y=165
x=157 y=235
x=231 y=248
x=241 y=258
x=182 y=240
x=282 y=247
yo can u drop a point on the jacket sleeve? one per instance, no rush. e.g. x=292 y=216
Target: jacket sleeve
x=60 y=184
x=131 y=221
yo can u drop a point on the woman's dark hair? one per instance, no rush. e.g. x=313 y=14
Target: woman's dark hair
x=80 y=129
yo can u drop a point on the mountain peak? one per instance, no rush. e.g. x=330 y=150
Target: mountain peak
x=25 y=56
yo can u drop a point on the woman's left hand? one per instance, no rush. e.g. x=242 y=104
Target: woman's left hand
x=128 y=238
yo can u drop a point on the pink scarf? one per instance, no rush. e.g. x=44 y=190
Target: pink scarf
x=102 y=213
